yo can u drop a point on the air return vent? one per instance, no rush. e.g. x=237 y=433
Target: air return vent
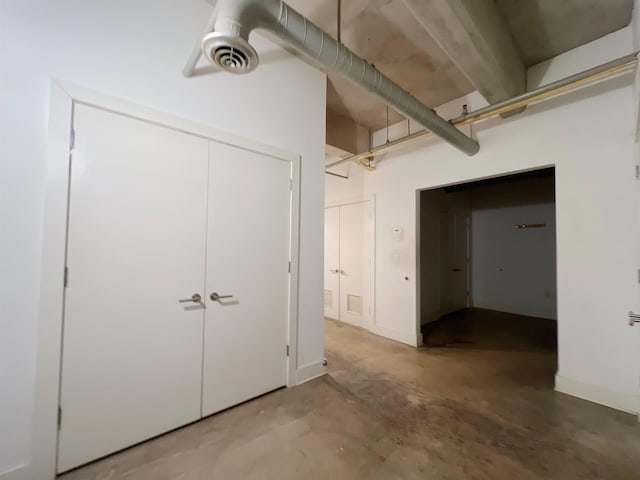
x=231 y=53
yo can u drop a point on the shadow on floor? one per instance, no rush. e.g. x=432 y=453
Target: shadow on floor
x=489 y=330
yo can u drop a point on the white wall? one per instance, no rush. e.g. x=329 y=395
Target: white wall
x=635 y=28
x=429 y=244
x=133 y=50
x=635 y=24
x=588 y=136
x=514 y=270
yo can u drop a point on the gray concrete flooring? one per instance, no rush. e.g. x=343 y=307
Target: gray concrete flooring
x=388 y=411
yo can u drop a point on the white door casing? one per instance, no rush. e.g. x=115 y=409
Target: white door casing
x=332 y=262
x=633 y=314
x=65 y=98
x=132 y=354
x=245 y=337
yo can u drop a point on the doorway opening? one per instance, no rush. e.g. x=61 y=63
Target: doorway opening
x=487 y=264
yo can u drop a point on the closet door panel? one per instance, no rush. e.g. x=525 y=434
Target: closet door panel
x=132 y=354
x=352 y=263
x=332 y=262
x=246 y=328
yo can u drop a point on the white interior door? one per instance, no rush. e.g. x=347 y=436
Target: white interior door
x=332 y=262
x=455 y=261
x=248 y=258
x=132 y=355
x=352 y=264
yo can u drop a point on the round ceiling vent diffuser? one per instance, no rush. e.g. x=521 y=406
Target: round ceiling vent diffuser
x=231 y=53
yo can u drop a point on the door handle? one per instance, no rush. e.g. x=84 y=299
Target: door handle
x=195 y=298
x=456 y=269
x=633 y=319
x=342 y=272
x=215 y=296
x=334 y=271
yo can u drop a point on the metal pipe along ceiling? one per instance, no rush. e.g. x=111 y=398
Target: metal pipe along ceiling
x=228 y=47
x=539 y=94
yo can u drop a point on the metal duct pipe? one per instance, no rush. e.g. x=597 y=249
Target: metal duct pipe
x=196 y=53
x=228 y=47
x=544 y=92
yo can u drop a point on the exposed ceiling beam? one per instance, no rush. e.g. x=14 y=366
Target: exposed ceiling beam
x=345 y=134
x=324 y=13
x=475 y=36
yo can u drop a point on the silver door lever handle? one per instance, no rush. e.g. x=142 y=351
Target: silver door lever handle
x=195 y=298
x=334 y=271
x=633 y=318
x=215 y=297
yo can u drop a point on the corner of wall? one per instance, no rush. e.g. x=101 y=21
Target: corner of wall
x=19 y=473
x=411 y=339
x=618 y=400
x=309 y=372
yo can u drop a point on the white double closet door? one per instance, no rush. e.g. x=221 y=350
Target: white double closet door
x=157 y=216
x=348 y=275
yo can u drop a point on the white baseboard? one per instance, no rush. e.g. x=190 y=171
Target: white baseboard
x=19 y=473
x=609 y=398
x=309 y=372
x=360 y=324
x=413 y=339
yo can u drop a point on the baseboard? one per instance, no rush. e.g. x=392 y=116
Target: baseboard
x=413 y=339
x=309 y=372
x=609 y=398
x=359 y=324
x=527 y=312
x=18 y=473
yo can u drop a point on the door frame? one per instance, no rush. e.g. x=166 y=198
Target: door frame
x=369 y=322
x=63 y=97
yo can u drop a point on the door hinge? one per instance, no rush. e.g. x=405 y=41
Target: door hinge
x=638 y=276
x=66 y=276
x=59 y=417
x=289 y=267
x=637 y=171
x=291 y=184
x=287 y=350
x=72 y=139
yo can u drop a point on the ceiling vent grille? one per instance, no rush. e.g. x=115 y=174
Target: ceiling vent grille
x=228 y=48
x=232 y=54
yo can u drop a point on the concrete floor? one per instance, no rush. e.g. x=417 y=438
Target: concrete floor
x=479 y=329
x=388 y=411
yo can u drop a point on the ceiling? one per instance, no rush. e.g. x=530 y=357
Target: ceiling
x=385 y=33
x=543 y=29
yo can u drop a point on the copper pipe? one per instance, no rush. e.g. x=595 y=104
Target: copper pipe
x=553 y=89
